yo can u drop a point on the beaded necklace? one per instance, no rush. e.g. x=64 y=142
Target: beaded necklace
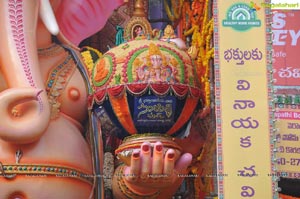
x=57 y=80
x=11 y=170
x=51 y=51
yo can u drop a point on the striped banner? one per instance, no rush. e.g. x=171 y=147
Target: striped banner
x=244 y=109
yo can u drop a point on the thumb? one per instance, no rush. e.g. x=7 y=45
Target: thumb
x=183 y=162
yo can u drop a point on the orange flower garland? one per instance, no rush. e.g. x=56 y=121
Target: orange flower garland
x=102 y=71
x=202 y=32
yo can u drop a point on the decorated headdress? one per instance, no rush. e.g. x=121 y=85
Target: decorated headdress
x=154 y=50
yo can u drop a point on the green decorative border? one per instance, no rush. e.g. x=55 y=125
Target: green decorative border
x=101 y=83
x=130 y=62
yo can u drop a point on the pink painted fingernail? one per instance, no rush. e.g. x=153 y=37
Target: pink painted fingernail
x=159 y=148
x=171 y=155
x=136 y=154
x=145 y=148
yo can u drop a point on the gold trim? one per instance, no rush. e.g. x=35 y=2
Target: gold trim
x=128 y=192
x=135 y=22
x=9 y=170
x=142 y=136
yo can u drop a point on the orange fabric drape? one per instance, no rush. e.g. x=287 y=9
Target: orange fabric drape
x=122 y=112
x=187 y=111
x=282 y=196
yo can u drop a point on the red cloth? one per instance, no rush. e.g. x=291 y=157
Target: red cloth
x=80 y=19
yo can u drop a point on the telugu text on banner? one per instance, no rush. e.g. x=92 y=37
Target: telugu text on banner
x=288 y=156
x=243 y=108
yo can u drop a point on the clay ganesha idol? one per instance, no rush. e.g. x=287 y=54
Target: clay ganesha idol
x=43 y=150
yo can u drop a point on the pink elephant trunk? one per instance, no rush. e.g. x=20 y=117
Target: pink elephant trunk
x=24 y=107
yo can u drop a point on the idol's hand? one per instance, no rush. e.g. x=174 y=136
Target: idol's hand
x=152 y=170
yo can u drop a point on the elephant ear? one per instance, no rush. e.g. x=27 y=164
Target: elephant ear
x=80 y=19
